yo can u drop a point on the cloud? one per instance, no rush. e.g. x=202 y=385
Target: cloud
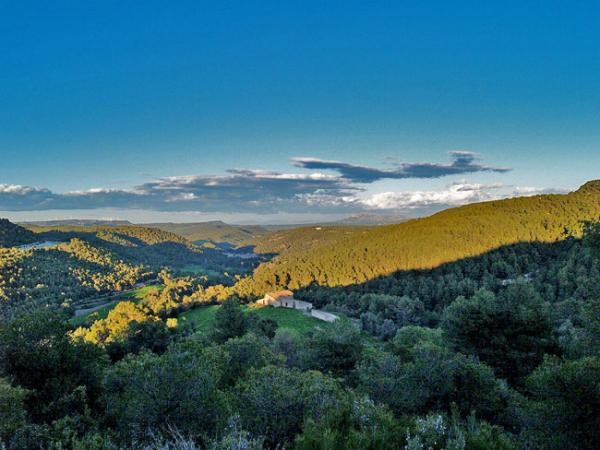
x=237 y=191
x=270 y=192
x=462 y=163
x=459 y=193
x=529 y=191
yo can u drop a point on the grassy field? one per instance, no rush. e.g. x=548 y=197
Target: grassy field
x=133 y=296
x=194 y=269
x=203 y=318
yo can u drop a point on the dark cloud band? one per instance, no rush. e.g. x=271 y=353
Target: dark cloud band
x=243 y=190
x=462 y=163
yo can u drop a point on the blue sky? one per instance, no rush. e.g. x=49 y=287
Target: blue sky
x=140 y=110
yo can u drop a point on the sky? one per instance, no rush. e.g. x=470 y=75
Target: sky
x=290 y=112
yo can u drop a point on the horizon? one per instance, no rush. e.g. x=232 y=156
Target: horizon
x=296 y=113
x=394 y=218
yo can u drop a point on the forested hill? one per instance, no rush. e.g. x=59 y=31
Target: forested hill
x=84 y=262
x=12 y=235
x=216 y=232
x=428 y=242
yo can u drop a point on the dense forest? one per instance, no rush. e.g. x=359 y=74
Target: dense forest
x=216 y=232
x=498 y=348
x=357 y=256
x=87 y=262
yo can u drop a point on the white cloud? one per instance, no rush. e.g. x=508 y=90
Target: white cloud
x=16 y=189
x=253 y=191
x=456 y=194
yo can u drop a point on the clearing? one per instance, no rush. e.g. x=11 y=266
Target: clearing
x=203 y=318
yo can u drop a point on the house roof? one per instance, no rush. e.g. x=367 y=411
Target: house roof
x=280 y=294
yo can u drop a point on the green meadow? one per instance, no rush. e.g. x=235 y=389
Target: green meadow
x=203 y=318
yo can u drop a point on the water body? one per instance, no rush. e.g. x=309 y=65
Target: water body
x=38 y=245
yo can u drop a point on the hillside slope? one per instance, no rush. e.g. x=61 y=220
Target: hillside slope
x=12 y=235
x=304 y=238
x=428 y=242
x=89 y=261
x=216 y=232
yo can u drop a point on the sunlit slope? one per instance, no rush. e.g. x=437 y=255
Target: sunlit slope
x=304 y=238
x=425 y=243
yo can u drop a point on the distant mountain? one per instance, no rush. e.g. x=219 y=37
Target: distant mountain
x=77 y=223
x=216 y=232
x=12 y=235
x=355 y=257
x=372 y=219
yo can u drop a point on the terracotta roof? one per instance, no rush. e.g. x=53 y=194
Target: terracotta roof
x=280 y=294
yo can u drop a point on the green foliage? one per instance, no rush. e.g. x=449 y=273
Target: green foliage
x=235 y=438
x=274 y=402
x=510 y=332
x=230 y=321
x=116 y=325
x=461 y=354
x=247 y=352
x=336 y=349
x=37 y=354
x=410 y=339
x=433 y=380
x=563 y=410
x=12 y=410
x=262 y=325
x=436 y=432
x=360 y=425
x=178 y=389
x=91 y=262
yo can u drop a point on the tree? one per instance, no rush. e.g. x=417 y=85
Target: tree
x=362 y=424
x=335 y=349
x=563 y=410
x=411 y=337
x=116 y=325
x=260 y=325
x=36 y=352
x=179 y=388
x=274 y=402
x=12 y=410
x=433 y=380
x=510 y=332
x=247 y=352
x=270 y=403
x=230 y=321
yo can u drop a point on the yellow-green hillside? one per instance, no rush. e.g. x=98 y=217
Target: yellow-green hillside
x=428 y=242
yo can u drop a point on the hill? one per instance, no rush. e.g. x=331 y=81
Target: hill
x=372 y=219
x=12 y=235
x=304 y=238
x=216 y=232
x=358 y=256
x=91 y=261
x=77 y=222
